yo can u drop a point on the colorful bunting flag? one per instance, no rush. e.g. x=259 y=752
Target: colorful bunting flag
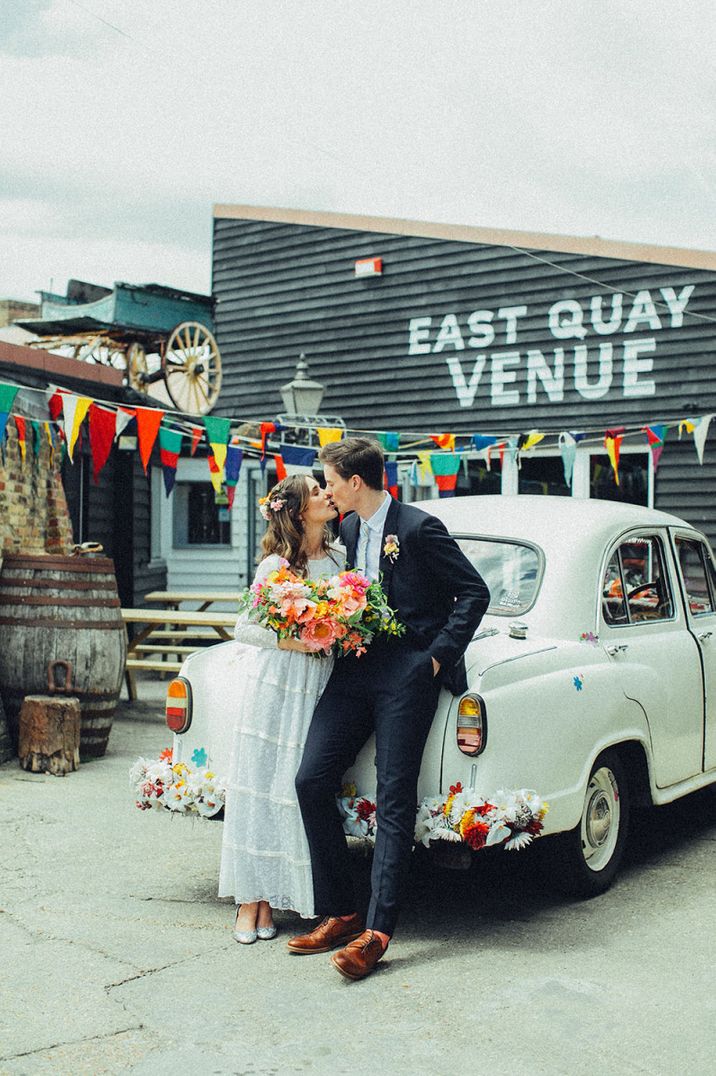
x=7 y=397
x=4 y=416
x=391 y=478
x=568 y=452
x=482 y=441
x=444 y=440
x=196 y=435
x=700 y=434
x=36 y=440
x=445 y=468
x=148 y=422
x=390 y=441
x=655 y=435
x=280 y=467
x=215 y=473
x=328 y=434
x=425 y=471
x=217 y=434
x=20 y=426
x=169 y=452
x=526 y=441
x=121 y=420
x=686 y=424
x=612 y=443
x=102 y=425
x=298 y=460
x=74 y=409
x=232 y=469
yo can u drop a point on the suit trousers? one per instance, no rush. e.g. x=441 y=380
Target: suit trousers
x=391 y=690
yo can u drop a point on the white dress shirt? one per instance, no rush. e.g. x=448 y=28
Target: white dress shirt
x=370 y=538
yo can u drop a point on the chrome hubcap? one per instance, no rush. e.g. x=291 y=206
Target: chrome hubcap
x=600 y=819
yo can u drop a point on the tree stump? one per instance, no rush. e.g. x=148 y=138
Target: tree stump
x=49 y=734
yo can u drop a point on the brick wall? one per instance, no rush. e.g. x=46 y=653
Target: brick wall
x=33 y=509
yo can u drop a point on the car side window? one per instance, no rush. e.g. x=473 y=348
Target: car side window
x=693 y=559
x=635 y=586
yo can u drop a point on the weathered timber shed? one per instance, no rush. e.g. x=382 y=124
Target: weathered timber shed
x=467 y=329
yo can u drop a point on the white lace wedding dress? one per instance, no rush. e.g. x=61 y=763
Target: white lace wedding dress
x=264 y=851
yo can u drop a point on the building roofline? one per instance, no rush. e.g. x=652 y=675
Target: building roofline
x=464 y=233
x=53 y=366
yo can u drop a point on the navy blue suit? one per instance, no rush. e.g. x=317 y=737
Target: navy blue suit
x=391 y=690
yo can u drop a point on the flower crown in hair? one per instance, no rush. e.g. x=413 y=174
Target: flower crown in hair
x=266 y=506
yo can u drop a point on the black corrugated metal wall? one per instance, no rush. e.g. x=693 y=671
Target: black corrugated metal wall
x=283 y=289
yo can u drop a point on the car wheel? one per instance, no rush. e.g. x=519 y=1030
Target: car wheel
x=587 y=858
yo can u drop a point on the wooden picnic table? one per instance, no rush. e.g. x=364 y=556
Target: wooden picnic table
x=163 y=626
x=172 y=599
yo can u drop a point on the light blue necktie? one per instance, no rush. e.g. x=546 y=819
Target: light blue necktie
x=362 y=549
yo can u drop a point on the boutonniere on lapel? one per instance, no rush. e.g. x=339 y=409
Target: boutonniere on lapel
x=391 y=547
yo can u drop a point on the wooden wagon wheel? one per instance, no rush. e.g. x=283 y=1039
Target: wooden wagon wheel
x=192 y=368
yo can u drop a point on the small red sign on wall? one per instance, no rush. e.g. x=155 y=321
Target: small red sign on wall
x=369 y=267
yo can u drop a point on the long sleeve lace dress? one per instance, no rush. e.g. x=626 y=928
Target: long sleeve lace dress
x=264 y=852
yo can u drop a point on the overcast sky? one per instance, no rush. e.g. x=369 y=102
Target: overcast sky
x=570 y=116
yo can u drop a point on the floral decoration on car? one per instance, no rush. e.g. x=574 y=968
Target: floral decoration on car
x=175 y=786
x=590 y=638
x=510 y=818
x=391 y=547
x=578 y=682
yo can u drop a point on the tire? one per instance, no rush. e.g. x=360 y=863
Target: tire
x=586 y=860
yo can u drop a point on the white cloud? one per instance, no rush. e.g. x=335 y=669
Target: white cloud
x=543 y=115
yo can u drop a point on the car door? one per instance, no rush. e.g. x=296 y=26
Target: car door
x=698 y=579
x=645 y=632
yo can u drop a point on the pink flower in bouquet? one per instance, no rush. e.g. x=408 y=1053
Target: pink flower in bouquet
x=352 y=603
x=354 y=580
x=320 y=634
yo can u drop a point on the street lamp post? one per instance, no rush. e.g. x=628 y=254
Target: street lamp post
x=302 y=399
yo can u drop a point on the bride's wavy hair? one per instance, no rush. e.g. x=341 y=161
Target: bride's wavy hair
x=285 y=534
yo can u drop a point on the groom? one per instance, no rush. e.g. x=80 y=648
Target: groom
x=392 y=690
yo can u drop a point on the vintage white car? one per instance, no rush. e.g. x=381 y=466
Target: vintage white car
x=592 y=682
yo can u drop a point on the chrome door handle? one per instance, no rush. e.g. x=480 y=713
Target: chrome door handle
x=704 y=635
x=616 y=648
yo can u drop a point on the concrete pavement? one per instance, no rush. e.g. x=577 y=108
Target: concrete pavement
x=117 y=956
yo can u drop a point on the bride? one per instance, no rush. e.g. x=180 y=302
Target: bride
x=265 y=861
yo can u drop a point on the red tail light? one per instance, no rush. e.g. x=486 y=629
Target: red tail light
x=178 y=705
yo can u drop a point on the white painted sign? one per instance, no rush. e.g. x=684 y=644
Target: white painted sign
x=593 y=368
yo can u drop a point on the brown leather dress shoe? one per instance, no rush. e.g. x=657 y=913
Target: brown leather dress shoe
x=360 y=957
x=329 y=934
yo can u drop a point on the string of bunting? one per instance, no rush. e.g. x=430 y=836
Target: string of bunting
x=433 y=457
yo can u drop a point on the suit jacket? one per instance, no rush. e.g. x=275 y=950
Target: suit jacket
x=431 y=584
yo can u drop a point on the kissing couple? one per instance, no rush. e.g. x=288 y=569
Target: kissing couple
x=301 y=721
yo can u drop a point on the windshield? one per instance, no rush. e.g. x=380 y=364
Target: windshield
x=511 y=570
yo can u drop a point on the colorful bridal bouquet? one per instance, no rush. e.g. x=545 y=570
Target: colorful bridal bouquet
x=176 y=786
x=341 y=614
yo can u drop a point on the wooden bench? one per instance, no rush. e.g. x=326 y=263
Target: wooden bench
x=216 y=626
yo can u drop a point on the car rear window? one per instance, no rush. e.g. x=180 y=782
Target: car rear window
x=512 y=571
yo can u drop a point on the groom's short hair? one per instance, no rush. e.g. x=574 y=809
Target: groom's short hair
x=356 y=455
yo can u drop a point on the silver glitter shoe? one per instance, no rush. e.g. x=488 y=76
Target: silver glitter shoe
x=266 y=933
x=245 y=937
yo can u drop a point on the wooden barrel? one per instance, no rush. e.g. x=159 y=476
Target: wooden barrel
x=62 y=609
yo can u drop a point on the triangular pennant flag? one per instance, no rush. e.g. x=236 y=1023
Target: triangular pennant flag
x=20 y=425
x=36 y=440
x=280 y=467
x=215 y=473
x=50 y=440
x=169 y=451
x=425 y=471
x=217 y=430
x=686 y=424
x=74 y=409
x=445 y=468
x=4 y=416
x=390 y=441
x=234 y=459
x=7 y=396
x=298 y=460
x=530 y=440
x=656 y=436
x=328 y=434
x=700 y=435
x=54 y=405
x=148 y=422
x=196 y=435
x=568 y=452
x=122 y=419
x=481 y=441
x=101 y=437
x=444 y=440
x=391 y=478
x=266 y=429
x=612 y=442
